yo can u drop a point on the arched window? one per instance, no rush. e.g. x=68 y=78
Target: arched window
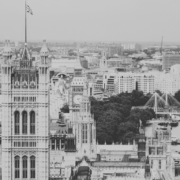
x=16 y=122
x=32 y=122
x=17 y=166
x=24 y=122
x=24 y=166
x=32 y=166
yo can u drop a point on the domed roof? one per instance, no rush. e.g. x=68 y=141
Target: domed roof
x=7 y=49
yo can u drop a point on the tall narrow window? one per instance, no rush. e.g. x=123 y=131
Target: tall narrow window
x=24 y=166
x=53 y=144
x=159 y=164
x=57 y=144
x=91 y=138
x=151 y=164
x=32 y=166
x=84 y=133
x=16 y=123
x=24 y=122
x=17 y=166
x=32 y=122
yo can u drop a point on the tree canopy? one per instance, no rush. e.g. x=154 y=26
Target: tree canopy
x=116 y=120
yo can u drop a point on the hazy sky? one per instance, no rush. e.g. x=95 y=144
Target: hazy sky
x=92 y=20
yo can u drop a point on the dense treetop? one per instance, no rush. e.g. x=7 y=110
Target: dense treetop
x=116 y=120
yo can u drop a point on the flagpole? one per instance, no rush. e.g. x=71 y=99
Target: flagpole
x=25 y=23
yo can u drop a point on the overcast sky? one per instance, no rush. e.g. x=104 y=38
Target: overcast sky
x=92 y=20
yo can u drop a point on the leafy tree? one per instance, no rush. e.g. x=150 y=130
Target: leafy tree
x=115 y=118
x=65 y=108
x=159 y=92
x=177 y=95
x=117 y=107
x=107 y=126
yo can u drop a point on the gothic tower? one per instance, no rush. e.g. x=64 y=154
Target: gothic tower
x=25 y=116
x=103 y=60
x=85 y=129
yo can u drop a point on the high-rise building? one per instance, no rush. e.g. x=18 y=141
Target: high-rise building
x=168 y=82
x=127 y=82
x=169 y=60
x=25 y=116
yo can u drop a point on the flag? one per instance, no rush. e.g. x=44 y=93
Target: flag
x=28 y=9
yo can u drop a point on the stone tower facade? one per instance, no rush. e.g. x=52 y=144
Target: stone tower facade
x=103 y=60
x=25 y=116
x=85 y=129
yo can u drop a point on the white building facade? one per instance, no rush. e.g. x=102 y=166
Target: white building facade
x=25 y=116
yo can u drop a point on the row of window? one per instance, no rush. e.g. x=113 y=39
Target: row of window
x=159 y=164
x=153 y=151
x=24 y=77
x=57 y=144
x=84 y=133
x=25 y=99
x=24 y=144
x=77 y=89
x=24 y=166
x=24 y=122
x=43 y=70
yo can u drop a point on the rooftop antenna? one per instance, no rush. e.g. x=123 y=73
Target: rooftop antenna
x=161 y=45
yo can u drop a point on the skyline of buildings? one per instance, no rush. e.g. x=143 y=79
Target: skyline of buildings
x=40 y=141
x=72 y=141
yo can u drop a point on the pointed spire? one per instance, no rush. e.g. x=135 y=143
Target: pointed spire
x=7 y=49
x=78 y=63
x=25 y=54
x=85 y=89
x=44 y=50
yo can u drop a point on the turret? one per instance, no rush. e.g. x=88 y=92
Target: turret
x=103 y=61
x=44 y=50
x=44 y=53
x=7 y=52
x=85 y=103
x=6 y=65
x=78 y=68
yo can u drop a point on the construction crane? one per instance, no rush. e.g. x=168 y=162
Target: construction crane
x=161 y=45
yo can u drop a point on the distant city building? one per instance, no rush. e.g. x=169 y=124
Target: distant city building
x=114 y=49
x=127 y=82
x=169 y=60
x=132 y=47
x=158 y=149
x=168 y=82
x=120 y=61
